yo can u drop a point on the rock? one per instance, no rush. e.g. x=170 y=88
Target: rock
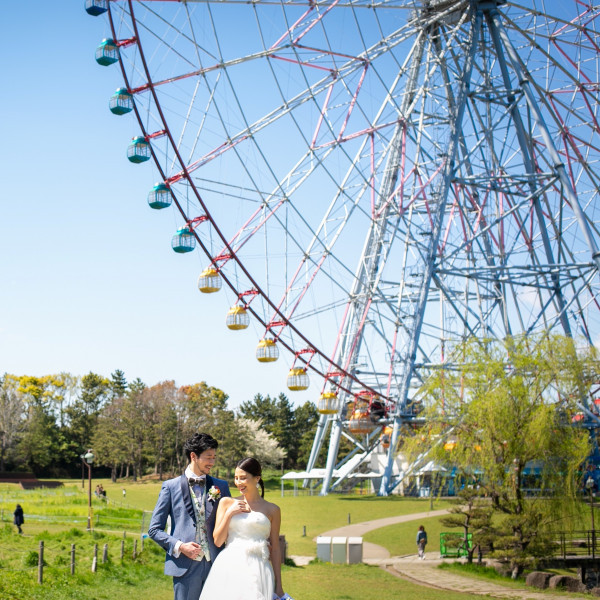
x=538 y=579
x=574 y=585
x=570 y=584
x=595 y=591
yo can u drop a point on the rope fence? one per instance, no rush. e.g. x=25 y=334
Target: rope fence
x=99 y=518
x=46 y=553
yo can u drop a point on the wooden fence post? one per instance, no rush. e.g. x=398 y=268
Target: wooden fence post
x=41 y=563
x=122 y=549
x=134 y=549
x=105 y=554
x=95 y=559
x=72 y=559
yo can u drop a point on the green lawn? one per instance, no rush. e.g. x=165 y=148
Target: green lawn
x=320 y=581
x=59 y=516
x=400 y=539
x=68 y=506
x=113 y=580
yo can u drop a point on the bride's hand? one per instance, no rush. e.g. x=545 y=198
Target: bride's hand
x=238 y=506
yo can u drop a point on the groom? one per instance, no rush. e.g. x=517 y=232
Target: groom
x=191 y=502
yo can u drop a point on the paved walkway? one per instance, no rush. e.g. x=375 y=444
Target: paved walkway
x=425 y=572
x=373 y=551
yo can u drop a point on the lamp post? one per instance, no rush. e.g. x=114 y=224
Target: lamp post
x=589 y=486
x=88 y=459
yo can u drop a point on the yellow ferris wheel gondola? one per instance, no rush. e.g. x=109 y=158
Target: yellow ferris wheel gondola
x=328 y=403
x=298 y=379
x=267 y=351
x=237 y=318
x=209 y=281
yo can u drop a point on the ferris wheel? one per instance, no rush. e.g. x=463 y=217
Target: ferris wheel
x=373 y=182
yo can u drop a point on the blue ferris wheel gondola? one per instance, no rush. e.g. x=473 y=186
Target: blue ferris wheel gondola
x=96 y=7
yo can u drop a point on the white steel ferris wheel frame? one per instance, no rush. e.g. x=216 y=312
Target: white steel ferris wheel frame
x=460 y=136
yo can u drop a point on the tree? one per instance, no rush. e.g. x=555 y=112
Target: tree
x=291 y=427
x=61 y=389
x=118 y=384
x=12 y=413
x=135 y=415
x=234 y=440
x=505 y=408
x=473 y=514
x=82 y=414
x=261 y=445
x=306 y=418
x=110 y=441
x=161 y=401
x=41 y=441
x=199 y=407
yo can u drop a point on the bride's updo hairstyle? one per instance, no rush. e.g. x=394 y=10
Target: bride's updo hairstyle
x=252 y=466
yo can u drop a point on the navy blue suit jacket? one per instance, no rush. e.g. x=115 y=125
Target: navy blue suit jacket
x=175 y=501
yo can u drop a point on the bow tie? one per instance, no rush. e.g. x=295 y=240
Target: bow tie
x=194 y=481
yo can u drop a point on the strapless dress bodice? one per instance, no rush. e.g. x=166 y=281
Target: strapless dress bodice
x=249 y=532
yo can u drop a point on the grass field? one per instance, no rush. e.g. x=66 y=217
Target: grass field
x=143 y=578
x=58 y=518
x=67 y=506
x=400 y=539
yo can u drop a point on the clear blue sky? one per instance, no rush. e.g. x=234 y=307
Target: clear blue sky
x=89 y=281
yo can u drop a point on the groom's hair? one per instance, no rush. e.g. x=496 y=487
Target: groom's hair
x=198 y=443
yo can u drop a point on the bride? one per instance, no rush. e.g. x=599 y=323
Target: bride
x=249 y=568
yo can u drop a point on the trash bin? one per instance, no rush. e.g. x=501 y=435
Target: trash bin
x=355 y=550
x=338 y=550
x=324 y=548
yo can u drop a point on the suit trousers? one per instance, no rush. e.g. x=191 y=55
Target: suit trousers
x=189 y=586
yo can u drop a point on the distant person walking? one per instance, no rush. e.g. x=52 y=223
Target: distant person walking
x=19 y=518
x=421 y=542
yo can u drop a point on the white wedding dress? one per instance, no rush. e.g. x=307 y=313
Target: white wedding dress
x=243 y=571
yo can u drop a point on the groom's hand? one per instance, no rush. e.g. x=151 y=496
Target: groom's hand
x=190 y=549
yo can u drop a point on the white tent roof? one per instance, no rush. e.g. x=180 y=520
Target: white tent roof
x=369 y=475
x=430 y=467
x=312 y=474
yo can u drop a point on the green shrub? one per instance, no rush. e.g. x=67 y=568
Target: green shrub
x=74 y=532
x=32 y=559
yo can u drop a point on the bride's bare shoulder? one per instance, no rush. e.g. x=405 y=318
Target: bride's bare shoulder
x=271 y=509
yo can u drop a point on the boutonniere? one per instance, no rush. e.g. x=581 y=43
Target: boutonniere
x=214 y=493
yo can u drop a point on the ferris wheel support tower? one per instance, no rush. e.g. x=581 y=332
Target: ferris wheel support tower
x=456 y=156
